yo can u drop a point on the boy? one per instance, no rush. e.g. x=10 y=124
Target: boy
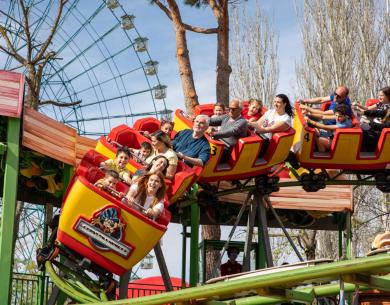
x=119 y=164
x=109 y=181
x=143 y=153
x=324 y=136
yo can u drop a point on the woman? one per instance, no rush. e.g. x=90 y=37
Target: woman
x=274 y=120
x=383 y=101
x=371 y=136
x=158 y=164
x=162 y=146
x=148 y=192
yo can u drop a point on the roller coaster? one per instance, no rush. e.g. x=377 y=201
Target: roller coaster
x=100 y=234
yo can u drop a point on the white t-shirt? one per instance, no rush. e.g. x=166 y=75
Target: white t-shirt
x=148 y=201
x=271 y=117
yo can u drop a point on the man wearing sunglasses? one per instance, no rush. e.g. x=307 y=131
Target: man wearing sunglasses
x=338 y=97
x=233 y=127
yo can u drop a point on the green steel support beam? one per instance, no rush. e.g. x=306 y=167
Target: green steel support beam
x=194 y=251
x=42 y=276
x=184 y=257
x=348 y=238
x=376 y=282
x=10 y=186
x=220 y=290
x=340 y=243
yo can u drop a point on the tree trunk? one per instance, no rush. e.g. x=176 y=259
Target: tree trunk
x=183 y=59
x=223 y=67
x=307 y=241
x=212 y=256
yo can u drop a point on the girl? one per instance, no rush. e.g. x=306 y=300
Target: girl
x=253 y=112
x=158 y=164
x=148 y=192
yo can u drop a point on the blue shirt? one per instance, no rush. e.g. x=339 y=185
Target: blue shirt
x=191 y=147
x=333 y=105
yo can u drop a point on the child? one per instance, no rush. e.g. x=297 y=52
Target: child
x=218 y=110
x=119 y=164
x=167 y=127
x=109 y=181
x=253 y=112
x=143 y=153
x=324 y=136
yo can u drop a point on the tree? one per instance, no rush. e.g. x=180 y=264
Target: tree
x=254 y=61
x=346 y=43
x=221 y=14
x=34 y=56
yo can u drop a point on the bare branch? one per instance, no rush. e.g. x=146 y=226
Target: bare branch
x=26 y=27
x=185 y=25
x=53 y=30
x=55 y=103
x=10 y=46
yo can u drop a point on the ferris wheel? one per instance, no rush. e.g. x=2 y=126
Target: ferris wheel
x=102 y=61
x=102 y=65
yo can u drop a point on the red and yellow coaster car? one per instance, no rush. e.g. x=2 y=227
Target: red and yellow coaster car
x=98 y=226
x=125 y=136
x=345 y=150
x=244 y=161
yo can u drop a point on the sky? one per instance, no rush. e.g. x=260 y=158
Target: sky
x=153 y=23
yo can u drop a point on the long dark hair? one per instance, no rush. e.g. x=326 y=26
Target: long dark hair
x=142 y=186
x=289 y=110
x=150 y=165
x=162 y=137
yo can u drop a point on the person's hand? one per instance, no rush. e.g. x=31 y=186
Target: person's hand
x=251 y=120
x=149 y=213
x=212 y=132
x=180 y=155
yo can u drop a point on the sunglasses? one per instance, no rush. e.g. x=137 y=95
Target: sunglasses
x=232 y=109
x=337 y=95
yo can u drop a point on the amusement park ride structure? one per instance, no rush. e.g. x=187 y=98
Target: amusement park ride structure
x=258 y=192
x=247 y=191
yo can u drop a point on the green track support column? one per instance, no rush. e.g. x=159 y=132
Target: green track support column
x=194 y=251
x=183 y=257
x=42 y=276
x=348 y=238
x=10 y=187
x=68 y=172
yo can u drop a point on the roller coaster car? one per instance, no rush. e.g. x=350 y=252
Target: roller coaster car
x=125 y=136
x=148 y=124
x=345 y=150
x=243 y=162
x=99 y=227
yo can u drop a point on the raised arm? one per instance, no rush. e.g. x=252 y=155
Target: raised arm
x=316 y=100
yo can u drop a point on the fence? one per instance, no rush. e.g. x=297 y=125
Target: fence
x=30 y=289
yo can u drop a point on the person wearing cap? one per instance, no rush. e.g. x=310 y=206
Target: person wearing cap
x=162 y=146
x=233 y=127
x=231 y=266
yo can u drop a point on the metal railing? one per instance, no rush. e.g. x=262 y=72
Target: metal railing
x=136 y=290
x=30 y=289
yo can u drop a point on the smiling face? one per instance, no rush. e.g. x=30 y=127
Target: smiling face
x=145 y=152
x=218 y=110
x=279 y=105
x=340 y=94
x=234 y=109
x=122 y=159
x=253 y=108
x=159 y=165
x=153 y=185
x=167 y=128
x=383 y=98
x=200 y=125
x=111 y=181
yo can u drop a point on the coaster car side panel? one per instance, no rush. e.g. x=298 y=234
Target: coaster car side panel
x=345 y=150
x=243 y=162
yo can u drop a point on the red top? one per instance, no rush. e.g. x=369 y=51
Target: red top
x=230 y=268
x=245 y=115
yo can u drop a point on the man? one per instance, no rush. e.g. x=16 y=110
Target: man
x=340 y=96
x=233 y=127
x=231 y=266
x=191 y=145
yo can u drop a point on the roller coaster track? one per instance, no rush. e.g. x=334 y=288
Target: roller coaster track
x=284 y=285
